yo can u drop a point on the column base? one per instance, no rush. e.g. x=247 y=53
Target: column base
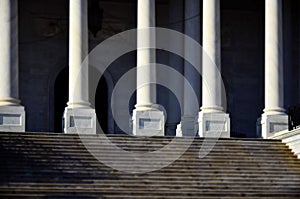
x=12 y=118
x=268 y=125
x=170 y=128
x=80 y=120
x=148 y=123
x=188 y=126
x=214 y=124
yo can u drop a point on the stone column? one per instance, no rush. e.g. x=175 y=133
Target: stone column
x=213 y=121
x=189 y=124
x=176 y=21
x=12 y=114
x=79 y=117
x=274 y=118
x=147 y=118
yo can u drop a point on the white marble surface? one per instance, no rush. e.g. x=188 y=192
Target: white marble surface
x=291 y=138
x=12 y=118
x=148 y=123
x=78 y=50
x=80 y=120
x=146 y=73
x=211 y=86
x=273 y=57
x=214 y=125
x=271 y=124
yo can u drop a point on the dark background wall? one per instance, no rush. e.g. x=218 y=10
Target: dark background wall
x=243 y=62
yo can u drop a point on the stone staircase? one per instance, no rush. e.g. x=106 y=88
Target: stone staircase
x=48 y=165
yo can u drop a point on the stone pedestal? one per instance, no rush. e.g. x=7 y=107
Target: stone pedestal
x=148 y=122
x=271 y=124
x=187 y=127
x=214 y=124
x=12 y=118
x=80 y=120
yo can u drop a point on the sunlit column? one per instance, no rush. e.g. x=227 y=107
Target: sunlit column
x=213 y=121
x=147 y=118
x=274 y=118
x=79 y=117
x=12 y=114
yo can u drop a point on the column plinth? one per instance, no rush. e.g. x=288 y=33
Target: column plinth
x=188 y=126
x=274 y=118
x=214 y=124
x=12 y=114
x=213 y=121
x=79 y=117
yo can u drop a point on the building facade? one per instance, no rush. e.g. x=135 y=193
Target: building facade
x=253 y=43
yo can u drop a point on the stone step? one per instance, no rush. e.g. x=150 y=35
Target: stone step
x=161 y=192
x=96 y=196
x=57 y=176
x=119 y=139
x=216 y=149
x=170 y=155
x=200 y=165
x=146 y=147
x=48 y=165
x=139 y=183
x=95 y=145
x=106 y=144
x=96 y=140
x=195 y=153
x=143 y=190
x=118 y=136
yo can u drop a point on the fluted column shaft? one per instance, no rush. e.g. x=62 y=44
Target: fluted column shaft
x=211 y=93
x=213 y=121
x=147 y=118
x=273 y=58
x=146 y=92
x=12 y=114
x=274 y=118
x=9 y=56
x=79 y=117
x=78 y=50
